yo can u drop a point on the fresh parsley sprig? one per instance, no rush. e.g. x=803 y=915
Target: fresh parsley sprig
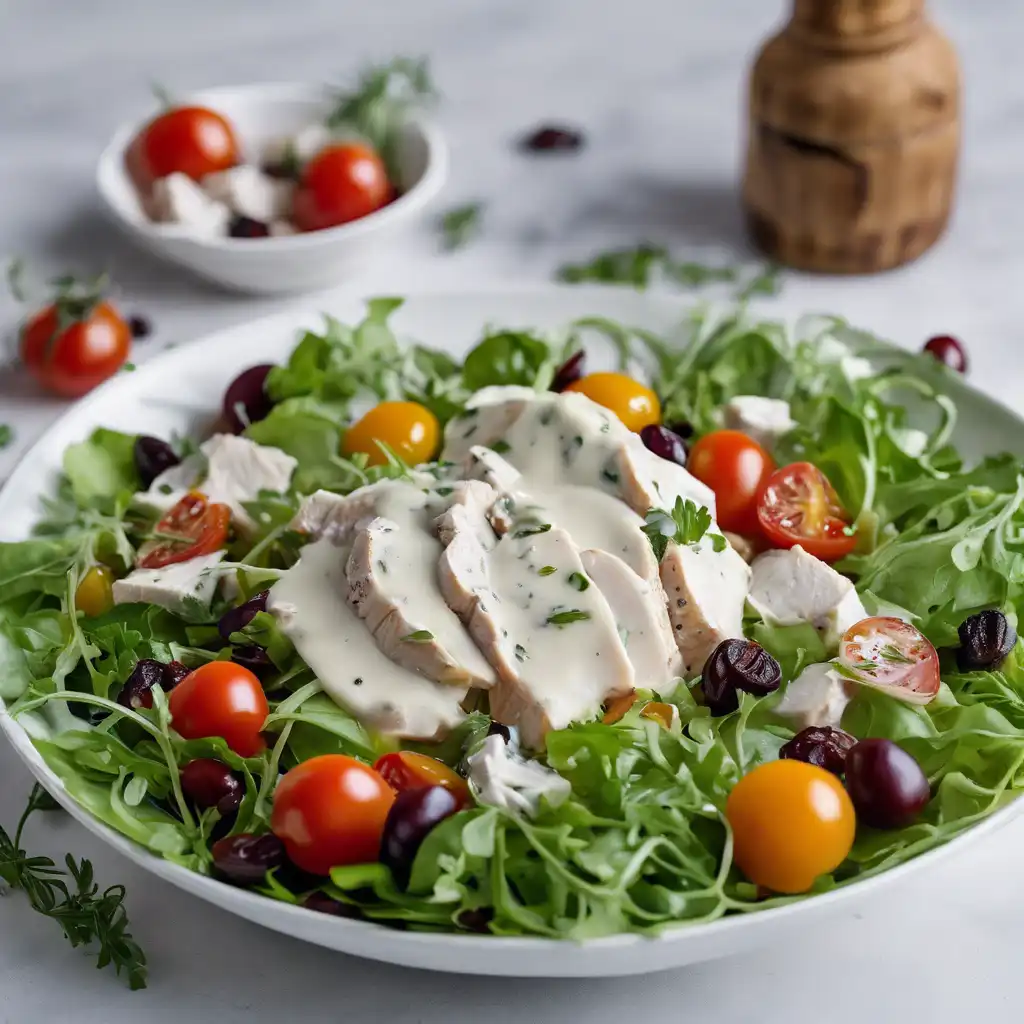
x=460 y=224
x=685 y=524
x=86 y=915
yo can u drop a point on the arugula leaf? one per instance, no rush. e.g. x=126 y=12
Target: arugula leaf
x=685 y=524
x=460 y=224
x=102 y=470
x=6 y=435
x=510 y=357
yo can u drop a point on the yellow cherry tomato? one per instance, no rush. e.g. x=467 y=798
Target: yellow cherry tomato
x=410 y=429
x=636 y=405
x=791 y=822
x=95 y=593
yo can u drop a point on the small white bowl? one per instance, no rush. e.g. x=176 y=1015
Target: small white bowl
x=293 y=263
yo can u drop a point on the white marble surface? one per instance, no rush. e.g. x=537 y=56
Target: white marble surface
x=658 y=87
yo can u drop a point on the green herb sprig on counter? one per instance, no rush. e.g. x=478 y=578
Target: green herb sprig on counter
x=6 y=435
x=461 y=224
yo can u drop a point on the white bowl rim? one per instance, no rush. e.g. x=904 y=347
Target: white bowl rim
x=248 y=903
x=111 y=165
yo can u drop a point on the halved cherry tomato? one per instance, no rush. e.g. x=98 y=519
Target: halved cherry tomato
x=329 y=811
x=71 y=354
x=341 y=183
x=193 y=527
x=187 y=140
x=411 y=430
x=406 y=769
x=798 y=505
x=617 y=708
x=664 y=714
x=735 y=467
x=634 y=403
x=222 y=699
x=791 y=822
x=891 y=655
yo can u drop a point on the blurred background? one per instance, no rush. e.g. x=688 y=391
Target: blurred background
x=658 y=88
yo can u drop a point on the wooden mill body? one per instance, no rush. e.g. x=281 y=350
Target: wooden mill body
x=854 y=136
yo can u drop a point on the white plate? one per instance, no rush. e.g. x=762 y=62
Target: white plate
x=181 y=390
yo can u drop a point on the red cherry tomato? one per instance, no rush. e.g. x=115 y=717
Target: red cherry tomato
x=798 y=505
x=891 y=655
x=735 y=467
x=72 y=358
x=187 y=140
x=330 y=810
x=341 y=183
x=201 y=529
x=408 y=770
x=222 y=699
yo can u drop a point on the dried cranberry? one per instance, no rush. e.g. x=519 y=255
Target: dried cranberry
x=820 y=745
x=324 y=904
x=211 y=783
x=174 y=672
x=985 y=639
x=136 y=692
x=413 y=815
x=248 y=227
x=246 y=859
x=548 y=138
x=948 y=351
x=570 y=371
x=738 y=665
x=885 y=783
x=246 y=400
x=152 y=456
x=234 y=620
x=139 y=326
x=664 y=443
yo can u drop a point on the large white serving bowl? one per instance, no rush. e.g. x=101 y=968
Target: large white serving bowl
x=181 y=390
x=295 y=263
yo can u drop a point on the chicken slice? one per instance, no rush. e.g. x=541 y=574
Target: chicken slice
x=818 y=696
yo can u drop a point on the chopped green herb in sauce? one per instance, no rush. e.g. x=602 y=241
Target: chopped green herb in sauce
x=567 y=617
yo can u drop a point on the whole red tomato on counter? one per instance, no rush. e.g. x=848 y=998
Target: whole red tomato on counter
x=342 y=182
x=187 y=140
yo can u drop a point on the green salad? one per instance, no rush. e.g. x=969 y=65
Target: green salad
x=768 y=648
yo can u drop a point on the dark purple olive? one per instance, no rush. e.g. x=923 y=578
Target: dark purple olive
x=948 y=351
x=252 y=657
x=820 y=745
x=211 y=783
x=152 y=457
x=497 y=729
x=174 y=672
x=664 y=443
x=885 y=783
x=412 y=816
x=324 y=904
x=248 y=227
x=737 y=665
x=570 y=371
x=476 y=919
x=234 y=620
x=246 y=400
x=136 y=692
x=246 y=859
x=139 y=326
x=548 y=138
x=985 y=640
x=682 y=428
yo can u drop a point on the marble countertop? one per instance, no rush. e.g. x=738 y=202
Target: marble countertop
x=657 y=86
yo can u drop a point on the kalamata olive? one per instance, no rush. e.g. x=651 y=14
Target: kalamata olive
x=139 y=326
x=947 y=350
x=497 y=729
x=246 y=400
x=885 y=783
x=820 y=745
x=664 y=443
x=253 y=657
x=136 y=692
x=477 y=919
x=211 y=783
x=246 y=859
x=174 y=672
x=248 y=227
x=412 y=816
x=985 y=639
x=682 y=428
x=324 y=904
x=152 y=457
x=738 y=665
x=234 y=620
x=570 y=371
x=553 y=137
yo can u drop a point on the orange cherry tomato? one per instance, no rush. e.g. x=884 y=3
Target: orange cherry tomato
x=408 y=428
x=408 y=770
x=329 y=811
x=735 y=467
x=186 y=140
x=798 y=505
x=94 y=595
x=634 y=403
x=341 y=183
x=616 y=709
x=70 y=356
x=791 y=822
x=892 y=655
x=222 y=699
x=193 y=527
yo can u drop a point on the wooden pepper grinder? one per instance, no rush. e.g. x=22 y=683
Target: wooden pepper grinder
x=854 y=135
